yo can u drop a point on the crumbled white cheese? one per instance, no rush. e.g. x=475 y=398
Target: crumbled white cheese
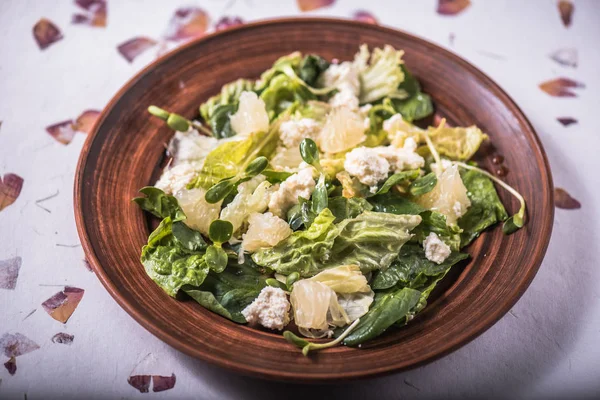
x=435 y=249
x=391 y=123
x=300 y=184
x=292 y=132
x=458 y=209
x=364 y=110
x=177 y=177
x=264 y=230
x=402 y=158
x=190 y=146
x=344 y=77
x=270 y=309
x=344 y=98
x=367 y=165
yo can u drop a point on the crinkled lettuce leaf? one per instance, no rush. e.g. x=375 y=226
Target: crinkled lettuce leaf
x=380 y=73
x=371 y=241
x=230 y=291
x=486 y=208
x=170 y=262
x=457 y=143
x=232 y=157
x=282 y=93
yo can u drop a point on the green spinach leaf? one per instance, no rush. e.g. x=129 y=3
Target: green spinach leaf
x=311 y=68
x=395 y=204
x=418 y=105
x=486 y=208
x=159 y=204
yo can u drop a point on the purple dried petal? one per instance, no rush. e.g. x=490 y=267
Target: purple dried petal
x=45 y=33
x=310 y=5
x=10 y=189
x=140 y=382
x=162 y=383
x=96 y=13
x=228 y=22
x=11 y=365
x=85 y=122
x=16 y=344
x=560 y=87
x=63 y=338
x=9 y=272
x=452 y=7
x=62 y=131
x=187 y=23
x=136 y=46
x=62 y=305
x=566 y=8
x=365 y=16
x=562 y=199
x=87 y=265
x=566 y=121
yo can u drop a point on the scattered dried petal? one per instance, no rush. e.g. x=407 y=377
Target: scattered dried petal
x=9 y=273
x=87 y=265
x=187 y=23
x=559 y=87
x=451 y=38
x=452 y=7
x=45 y=33
x=85 y=122
x=228 y=22
x=365 y=16
x=566 y=8
x=562 y=199
x=10 y=188
x=567 y=57
x=566 y=121
x=16 y=344
x=140 y=382
x=162 y=383
x=62 y=131
x=63 y=338
x=63 y=304
x=136 y=46
x=95 y=13
x=11 y=365
x=309 y=5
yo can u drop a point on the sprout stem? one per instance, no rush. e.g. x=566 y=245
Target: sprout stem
x=436 y=156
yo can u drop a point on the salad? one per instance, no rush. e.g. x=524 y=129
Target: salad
x=309 y=202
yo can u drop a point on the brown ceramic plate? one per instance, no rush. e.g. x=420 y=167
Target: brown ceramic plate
x=124 y=153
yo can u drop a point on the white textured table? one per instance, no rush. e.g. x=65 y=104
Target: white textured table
x=546 y=347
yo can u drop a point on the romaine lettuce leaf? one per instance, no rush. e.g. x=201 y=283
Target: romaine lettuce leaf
x=282 y=92
x=232 y=157
x=371 y=241
x=486 y=208
x=457 y=143
x=382 y=76
x=169 y=263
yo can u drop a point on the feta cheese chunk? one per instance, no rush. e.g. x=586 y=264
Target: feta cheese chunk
x=343 y=76
x=270 y=309
x=292 y=132
x=300 y=184
x=190 y=146
x=176 y=178
x=402 y=158
x=264 y=230
x=367 y=165
x=435 y=249
x=344 y=98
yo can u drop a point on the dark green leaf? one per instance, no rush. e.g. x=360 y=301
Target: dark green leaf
x=159 y=204
x=423 y=185
x=309 y=152
x=397 y=179
x=311 y=67
x=219 y=120
x=229 y=292
x=486 y=208
x=282 y=93
x=510 y=227
x=319 y=196
x=257 y=166
x=387 y=309
x=394 y=204
x=410 y=84
x=187 y=237
x=221 y=190
x=343 y=208
x=415 y=107
x=276 y=176
x=276 y=284
x=412 y=268
x=433 y=221
x=220 y=231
